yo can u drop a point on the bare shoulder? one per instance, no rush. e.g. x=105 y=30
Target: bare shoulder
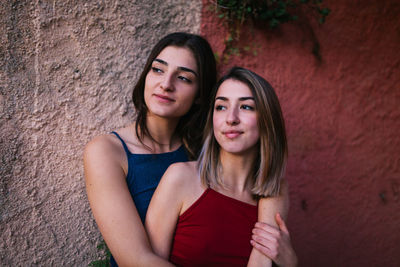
x=283 y=193
x=182 y=180
x=269 y=206
x=103 y=146
x=100 y=142
x=185 y=183
x=109 y=145
x=182 y=174
x=104 y=159
x=188 y=166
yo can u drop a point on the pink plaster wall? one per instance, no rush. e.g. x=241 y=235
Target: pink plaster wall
x=343 y=124
x=67 y=69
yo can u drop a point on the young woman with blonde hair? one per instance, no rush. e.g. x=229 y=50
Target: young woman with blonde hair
x=203 y=212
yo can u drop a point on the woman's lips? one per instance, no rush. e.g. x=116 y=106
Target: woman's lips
x=232 y=134
x=163 y=98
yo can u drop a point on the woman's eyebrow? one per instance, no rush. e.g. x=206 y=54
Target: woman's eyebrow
x=246 y=98
x=223 y=98
x=180 y=68
x=188 y=70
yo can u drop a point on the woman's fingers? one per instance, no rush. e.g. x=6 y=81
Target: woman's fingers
x=281 y=223
x=267 y=238
x=274 y=242
x=266 y=243
x=265 y=229
x=268 y=251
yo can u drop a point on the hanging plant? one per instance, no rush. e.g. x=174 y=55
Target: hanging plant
x=272 y=12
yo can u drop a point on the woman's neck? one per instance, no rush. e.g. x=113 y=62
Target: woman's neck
x=163 y=132
x=235 y=170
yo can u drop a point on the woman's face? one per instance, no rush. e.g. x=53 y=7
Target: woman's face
x=172 y=82
x=235 y=118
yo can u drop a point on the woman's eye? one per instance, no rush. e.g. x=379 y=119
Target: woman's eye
x=157 y=70
x=220 y=107
x=247 y=107
x=184 y=79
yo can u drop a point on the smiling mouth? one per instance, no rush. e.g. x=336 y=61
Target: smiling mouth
x=232 y=134
x=163 y=98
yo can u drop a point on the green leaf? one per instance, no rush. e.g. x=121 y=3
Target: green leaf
x=273 y=23
x=99 y=263
x=325 y=11
x=217 y=57
x=234 y=51
x=281 y=12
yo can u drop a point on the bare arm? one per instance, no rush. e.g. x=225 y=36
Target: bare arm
x=274 y=242
x=267 y=208
x=164 y=210
x=113 y=207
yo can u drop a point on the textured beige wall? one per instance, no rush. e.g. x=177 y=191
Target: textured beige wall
x=66 y=74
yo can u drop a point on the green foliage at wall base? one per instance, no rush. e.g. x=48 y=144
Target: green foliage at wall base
x=104 y=261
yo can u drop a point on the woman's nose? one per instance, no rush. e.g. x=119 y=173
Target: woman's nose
x=232 y=117
x=167 y=83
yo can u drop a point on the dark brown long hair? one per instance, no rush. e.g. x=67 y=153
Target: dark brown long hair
x=191 y=124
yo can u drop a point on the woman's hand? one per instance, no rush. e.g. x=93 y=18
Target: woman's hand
x=274 y=243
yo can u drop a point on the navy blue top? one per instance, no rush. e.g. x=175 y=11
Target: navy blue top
x=144 y=174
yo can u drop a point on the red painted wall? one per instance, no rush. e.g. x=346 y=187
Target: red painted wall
x=343 y=125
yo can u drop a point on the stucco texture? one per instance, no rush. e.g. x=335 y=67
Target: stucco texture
x=67 y=69
x=343 y=123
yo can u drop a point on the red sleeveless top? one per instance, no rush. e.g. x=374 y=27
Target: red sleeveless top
x=214 y=231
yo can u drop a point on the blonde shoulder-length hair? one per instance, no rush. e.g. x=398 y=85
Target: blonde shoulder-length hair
x=269 y=166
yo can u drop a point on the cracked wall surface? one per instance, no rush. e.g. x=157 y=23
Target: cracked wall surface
x=67 y=69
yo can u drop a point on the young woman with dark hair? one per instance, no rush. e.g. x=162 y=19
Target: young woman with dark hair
x=122 y=169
